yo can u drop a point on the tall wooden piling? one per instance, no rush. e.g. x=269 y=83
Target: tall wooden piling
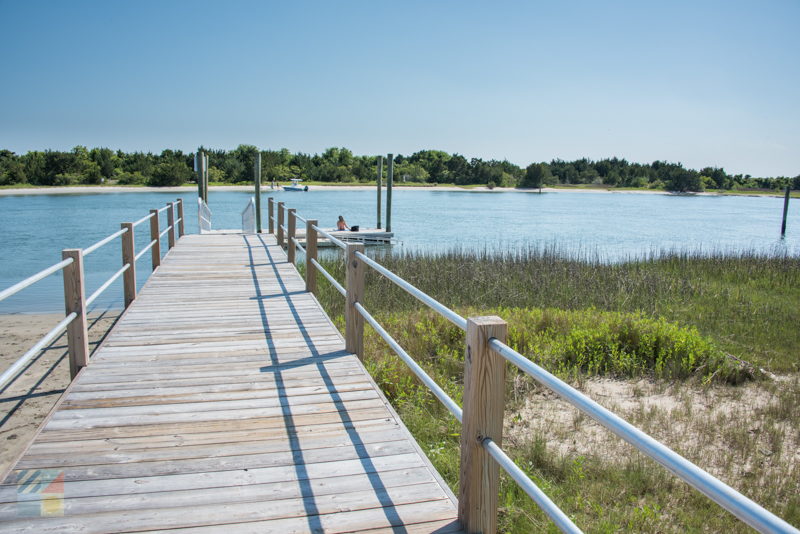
x=155 y=251
x=380 y=184
x=389 y=183
x=257 y=180
x=785 y=211
x=198 y=169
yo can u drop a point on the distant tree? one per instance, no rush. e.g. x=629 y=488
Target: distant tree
x=536 y=175
x=170 y=173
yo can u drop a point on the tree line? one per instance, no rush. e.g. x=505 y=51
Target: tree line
x=174 y=167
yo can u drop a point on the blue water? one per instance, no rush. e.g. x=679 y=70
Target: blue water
x=611 y=227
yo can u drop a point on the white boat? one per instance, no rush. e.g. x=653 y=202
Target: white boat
x=295 y=185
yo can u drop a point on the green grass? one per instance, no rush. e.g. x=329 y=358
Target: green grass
x=748 y=304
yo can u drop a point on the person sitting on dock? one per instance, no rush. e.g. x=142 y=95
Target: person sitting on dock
x=341 y=225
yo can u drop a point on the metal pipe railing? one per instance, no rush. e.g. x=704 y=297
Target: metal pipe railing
x=12 y=371
x=330 y=278
x=555 y=514
x=143 y=219
x=44 y=273
x=162 y=234
x=722 y=494
x=102 y=242
x=106 y=284
x=432 y=303
x=300 y=218
x=145 y=249
x=440 y=394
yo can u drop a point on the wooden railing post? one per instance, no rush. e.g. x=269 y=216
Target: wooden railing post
x=129 y=258
x=311 y=254
x=354 y=322
x=181 y=231
x=271 y=214
x=484 y=389
x=171 y=224
x=156 y=250
x=75 y=301
x=280 y=224
x=291 y=227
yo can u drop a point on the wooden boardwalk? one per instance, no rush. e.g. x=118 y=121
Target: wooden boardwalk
x=224 y=400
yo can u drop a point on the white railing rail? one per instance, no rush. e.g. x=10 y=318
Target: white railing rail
x=355 y=313
x=249 y=217
x=203 y=216
x=75 y=299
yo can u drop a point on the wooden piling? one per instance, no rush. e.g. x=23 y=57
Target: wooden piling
x=198 y=169
x=75 y=302
x=389 y=183
x=155 y=252
x=181 y=231
x=129 y=258
x=311 y=254
x=354 y=322
x=280 y=224
x=380 y=183
x=291 y=226
x=257 y=179
x=170 y=225
x=484 y=389
x=271 y=215
x=785 y=211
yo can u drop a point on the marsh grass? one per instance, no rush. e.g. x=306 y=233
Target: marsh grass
x=660 y=327
x=749 y=304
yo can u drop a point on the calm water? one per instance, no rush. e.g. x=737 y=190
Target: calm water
x=612 y=227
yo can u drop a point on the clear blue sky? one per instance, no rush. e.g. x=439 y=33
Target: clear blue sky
x=703 y=83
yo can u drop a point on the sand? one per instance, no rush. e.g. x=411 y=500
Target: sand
x=26 y=401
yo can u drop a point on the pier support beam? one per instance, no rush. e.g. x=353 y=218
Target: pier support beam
x=311 y=254
x=785 y=211
x=155 y=251
x=75 y=302
x=279 y=228
x=291 y=226
x=389 y=183
x=257 y=180
x=129 y=258
x=271 y=215
x=354 y=322
x=484 y=389
x=380 y=184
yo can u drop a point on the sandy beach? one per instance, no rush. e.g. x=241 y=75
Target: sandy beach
x=27 y=401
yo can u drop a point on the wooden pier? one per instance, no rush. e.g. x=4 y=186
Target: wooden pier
x=224 y=399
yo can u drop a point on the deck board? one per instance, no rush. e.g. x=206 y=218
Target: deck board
x=224 y=399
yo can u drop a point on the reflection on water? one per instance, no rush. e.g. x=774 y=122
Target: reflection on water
x=600 y=227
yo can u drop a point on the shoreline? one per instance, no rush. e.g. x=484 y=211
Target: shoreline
x=79 y=190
